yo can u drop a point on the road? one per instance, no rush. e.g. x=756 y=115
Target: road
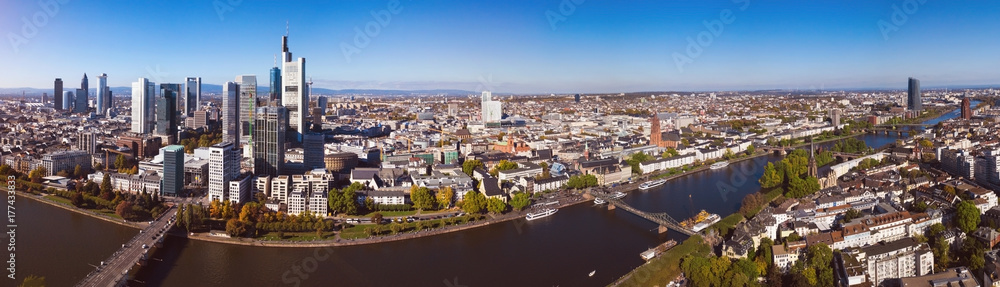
x=114 y=269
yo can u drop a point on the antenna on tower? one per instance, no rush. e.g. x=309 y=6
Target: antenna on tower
x=275 y=60
x=286 y=28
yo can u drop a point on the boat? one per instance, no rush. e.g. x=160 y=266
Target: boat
x=599 y=201
x=592 y=273
x=652 y=184
x=617 y=195
x=701 y=221
x=653 y=252
x=719 y=165
x=550 y=203
x=540 y=214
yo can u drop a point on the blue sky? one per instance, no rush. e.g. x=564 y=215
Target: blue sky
x=514 y=46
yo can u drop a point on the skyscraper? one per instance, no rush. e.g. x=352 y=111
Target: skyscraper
x=322 y=102
x=966 y=108
x=102 y=96
x=293 y=94
x=192 y=96
x=143 y=92
x=270 y=124
x=230 y=112
x=67 y=100
x=172 y=181
x=492 y=110
x=82 y=95
x=223 y=167
x=275 y=88
x=312 y=150
x=576 y=98
x=58 y=93
x=87 y=142
x=913 y=95
x=166 y=110
x=248 y=103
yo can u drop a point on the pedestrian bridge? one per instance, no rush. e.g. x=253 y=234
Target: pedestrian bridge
x=665 y=221
x=114 y=271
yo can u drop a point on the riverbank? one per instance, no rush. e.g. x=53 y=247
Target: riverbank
x=94 y=214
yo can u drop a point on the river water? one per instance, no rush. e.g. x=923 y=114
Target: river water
x=559 y=250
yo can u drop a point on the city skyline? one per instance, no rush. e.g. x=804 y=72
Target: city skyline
x=522 y=47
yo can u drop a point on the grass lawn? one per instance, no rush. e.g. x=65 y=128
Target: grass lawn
x=667 y=266
x=391 y=213
x=67 y=202
x=58 y=199
x=727 y=224
x=296 y=236
x=358 y=231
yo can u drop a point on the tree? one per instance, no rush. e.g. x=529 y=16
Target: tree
x=120 y=162
x=78 y=171
x=377 y=218
x=77 y=199
x=851 y=215
x=751 y=149
x=545 y=171
x=235 y=228
x=106 y=183
x=496 y=205
x=470 y=165
x=920 y=206
x=422 y=198
x=520 y=200
x=37 y=174
x=473 y=202
x=502 y=166
x=967 y=216
x=350 y=196
x=33 y=281
x=215 y=209
x=444 y=197
x=670 y=152
x=395 y=227
x=771 y=177
x=6 y=170
x=124 y=209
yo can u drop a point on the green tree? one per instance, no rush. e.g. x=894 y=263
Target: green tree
x=37 y=174
x=470 y=165
x=78 y=171
x=473 y=202
x=395 y=227
x=502 y=166
x=670 y=152
x=967 y=216
x=106 y=183
x=771 y=177
x=77 y=199
x=520 y=200
x=6 y=170
x=120 y=162
x=751 y=149
x=377 y=218
x=422 y=198
x=496 y=205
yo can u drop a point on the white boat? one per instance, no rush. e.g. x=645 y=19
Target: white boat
x=719 y=165
x=599 y=201
x=540 y=214
x=550 y=203
x=617 y=195
x=592 y=273
x=712 y=219
x=652 y=184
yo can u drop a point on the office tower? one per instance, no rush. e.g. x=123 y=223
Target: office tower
x=166 y=110
x=317 y=119
x=67 y=100
x=293 y=94
x=248 y=102
x=223 y=167
x=913 y=95
x=172 y=181
x=45 y=98
x=108 y=101
x=143 y=93
x=576 y=98
x=270 y=124
x=58 y=93
x=230 y=112
x=275 y=88
x=655 y=135
x=192 y=96
x=966 y=108
x=87 y=142
x=82 y=95
x=102 y=96
x=492 y=110
x=835 y=117
x=322 y=102
x=312 y=150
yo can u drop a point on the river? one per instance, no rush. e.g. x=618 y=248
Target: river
x=558 y=250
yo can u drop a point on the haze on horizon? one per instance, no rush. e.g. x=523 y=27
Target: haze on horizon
x=565 y=46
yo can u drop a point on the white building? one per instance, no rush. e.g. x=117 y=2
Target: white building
x=223 y=167
x=896 y=259
x=143 y=92
x=294 y=95
x=492 y=111
x=297 y=202
x=240 y=188
x=667 y=163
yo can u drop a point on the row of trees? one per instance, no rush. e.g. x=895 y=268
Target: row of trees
x=852 y=145
x=426 y=199
x=582 y=181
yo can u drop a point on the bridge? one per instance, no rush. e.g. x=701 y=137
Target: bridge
x=114 y=271
x=665 y=221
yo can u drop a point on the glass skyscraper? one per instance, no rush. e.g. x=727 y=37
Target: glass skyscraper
x=102 y=94
x=166 y=110
x=192 y=96
x=275 y=93
x=270 y=124
x=172 y=181
x=913 y=95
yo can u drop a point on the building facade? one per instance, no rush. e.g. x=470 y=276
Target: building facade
x=223 y=167
x=143 y=92
x=172 y=181
x=270 y=125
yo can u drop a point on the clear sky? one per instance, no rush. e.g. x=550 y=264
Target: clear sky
x=544 y=46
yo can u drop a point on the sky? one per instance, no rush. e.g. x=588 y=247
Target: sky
x=540 y=46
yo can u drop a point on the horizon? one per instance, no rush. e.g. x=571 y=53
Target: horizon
x=523 y=47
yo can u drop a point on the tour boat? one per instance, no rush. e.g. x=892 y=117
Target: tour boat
x=599 y=201
x=592 y=273
x=719 y=165
x=652 y=184
x=617 y=195
x=540 y=214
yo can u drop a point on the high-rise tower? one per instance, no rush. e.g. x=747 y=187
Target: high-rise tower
x=58 y=92
x=143 y=93
x=275 y=89
x=293 y=91
x=248 y=103
x=191 y=97
x=166 y=109
x=103 y=103
x=270 y=124
x=230 y=112
x=82 y=96
x=913 y=95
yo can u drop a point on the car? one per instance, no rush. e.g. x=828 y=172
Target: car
x=144 y=246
